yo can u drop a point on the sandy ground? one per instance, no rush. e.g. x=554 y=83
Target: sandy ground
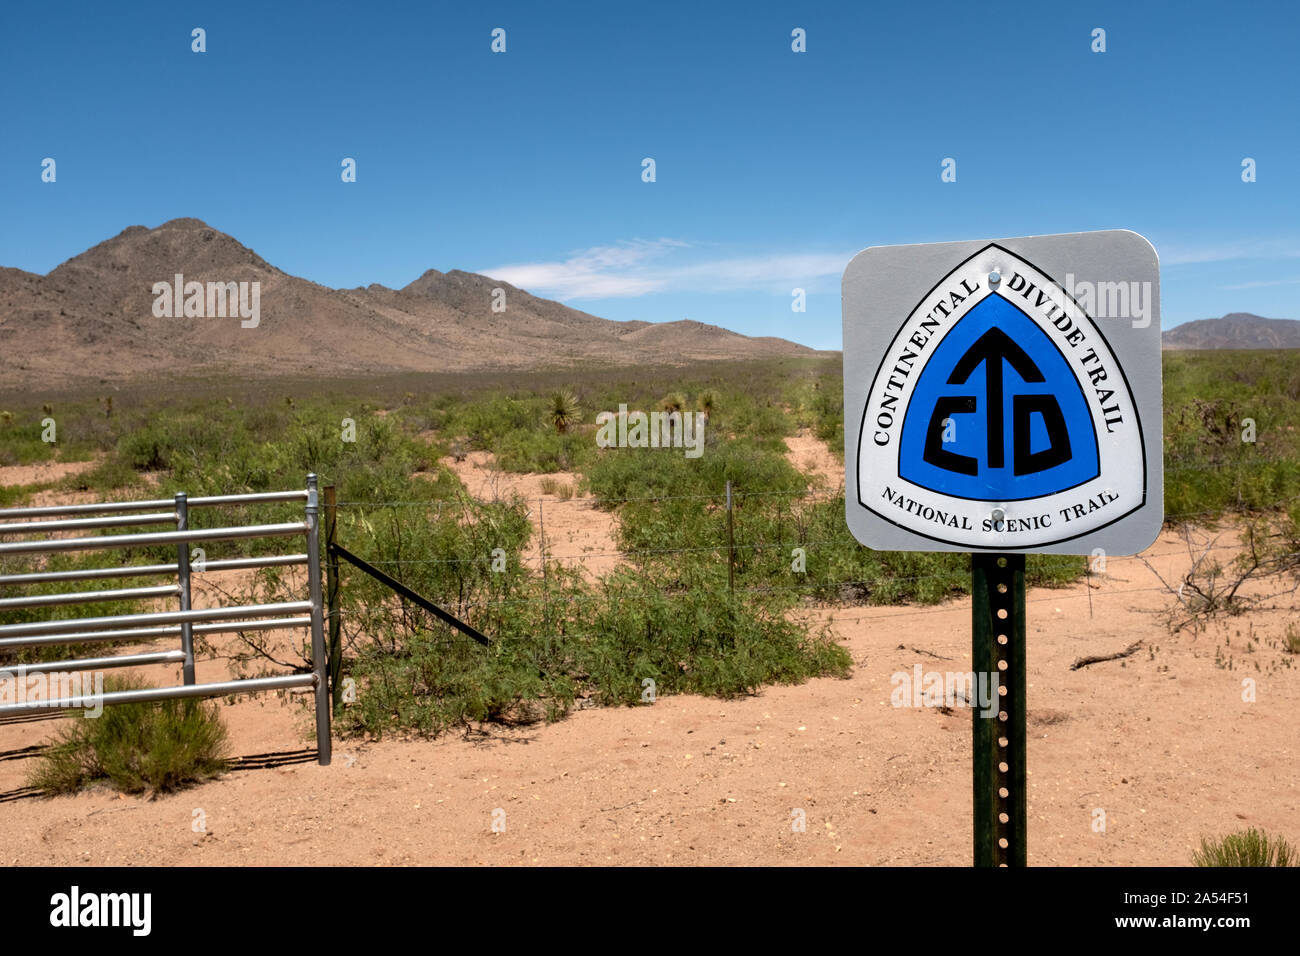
x=47 y=472
x=811 y=456
x=42 y=473
x=1161 y=742
x=577 y=533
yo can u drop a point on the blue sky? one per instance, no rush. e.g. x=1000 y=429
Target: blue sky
x=773 y=168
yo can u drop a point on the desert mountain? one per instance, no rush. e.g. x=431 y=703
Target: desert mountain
x=94 y=318
x=1237 y=330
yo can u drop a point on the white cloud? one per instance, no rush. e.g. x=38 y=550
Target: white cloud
x=1175 y=255
x=1267 y=283
x=638 y=267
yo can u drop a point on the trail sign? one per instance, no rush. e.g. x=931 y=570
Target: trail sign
x=1003 y=398
x=1004 y=395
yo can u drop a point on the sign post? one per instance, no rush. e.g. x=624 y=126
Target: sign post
x=998 y=746
x=1003 y=398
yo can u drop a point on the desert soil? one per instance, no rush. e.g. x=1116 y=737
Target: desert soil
x=577 y=533
x=1162 y=742
x=42 y=472
x=811 y=456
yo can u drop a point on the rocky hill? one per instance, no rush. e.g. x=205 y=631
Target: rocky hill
x=97 y=317
x=1237 y=330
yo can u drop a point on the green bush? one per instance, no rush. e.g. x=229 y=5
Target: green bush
x=542 y=451
x=1247 y=848
x=1213 y=401
x=617 y=474
x=696 y=640
x=157 y=747
x=550 y=647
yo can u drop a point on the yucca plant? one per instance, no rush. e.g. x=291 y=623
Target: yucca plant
x=564 y=410
x=673 y=402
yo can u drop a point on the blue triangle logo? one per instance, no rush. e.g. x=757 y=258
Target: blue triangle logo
x=996 y=414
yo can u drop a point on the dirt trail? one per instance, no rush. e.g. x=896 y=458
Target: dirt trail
x=577 y=532
x=44 y=473
x=810 y=455
x=41 y=472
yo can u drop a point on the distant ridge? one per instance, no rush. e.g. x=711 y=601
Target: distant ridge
x=92 y=318
x=1237 y=330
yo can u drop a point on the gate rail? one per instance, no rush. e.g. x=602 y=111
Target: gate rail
x=183 y=623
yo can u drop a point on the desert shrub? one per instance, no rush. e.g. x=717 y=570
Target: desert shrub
x=549 y=648
x=485 y=422
x=558 y=637
x=108 y=476
x=428 y=681
x=1211 y=588
x=1211 y=463
x=560 y=489
x=543 y=450
x=530 y=433
x=20 y=441
x=15 y=495
x=443 y=551
x=828 y=411
x=158 y=747
x=1291 y=639
x=617 y=474
x=1247 y=848
x=697 y=640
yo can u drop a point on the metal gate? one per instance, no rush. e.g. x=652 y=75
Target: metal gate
x=183 y=623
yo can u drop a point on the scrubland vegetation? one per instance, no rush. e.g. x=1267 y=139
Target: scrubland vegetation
x=667 y=613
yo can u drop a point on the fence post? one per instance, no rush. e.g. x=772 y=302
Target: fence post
x=731 y=546
x=183 y=579
x=332 y=596
x=319 y=664
x=541 y=538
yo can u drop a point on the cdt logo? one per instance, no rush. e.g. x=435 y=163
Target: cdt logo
x=1008 y=421
x=999 y=416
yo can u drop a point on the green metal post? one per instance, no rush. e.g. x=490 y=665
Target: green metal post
x=998 y=740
